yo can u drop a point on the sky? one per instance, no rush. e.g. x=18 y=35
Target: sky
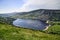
x=8 y=6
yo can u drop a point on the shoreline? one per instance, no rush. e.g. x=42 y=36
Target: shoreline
x=46 y=28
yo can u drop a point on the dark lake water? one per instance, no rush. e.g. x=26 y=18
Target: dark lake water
x=31 y=24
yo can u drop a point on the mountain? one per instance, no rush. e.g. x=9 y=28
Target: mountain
x=11 y=32
x=41 y=14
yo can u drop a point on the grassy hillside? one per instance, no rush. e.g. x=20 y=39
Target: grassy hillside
x=54 y=29
x=6 y=20
x=9 y=32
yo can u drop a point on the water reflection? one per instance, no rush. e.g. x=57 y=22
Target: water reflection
x=31 y=24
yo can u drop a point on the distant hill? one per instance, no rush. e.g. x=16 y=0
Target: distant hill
x=12 y=14
x=42 y=14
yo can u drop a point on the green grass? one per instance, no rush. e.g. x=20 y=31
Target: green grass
x=9 y=32
x=55 y=29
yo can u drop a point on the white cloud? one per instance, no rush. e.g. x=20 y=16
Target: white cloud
x=35 y=4
x=40 y=4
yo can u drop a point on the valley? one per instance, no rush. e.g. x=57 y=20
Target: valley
x=34 y=19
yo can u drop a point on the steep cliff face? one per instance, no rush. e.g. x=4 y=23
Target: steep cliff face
x=54 y=15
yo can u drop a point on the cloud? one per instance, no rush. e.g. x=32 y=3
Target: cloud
x=32 y=5
x=9 y=10
x=40 y=4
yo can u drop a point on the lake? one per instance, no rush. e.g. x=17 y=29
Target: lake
x=30 y=24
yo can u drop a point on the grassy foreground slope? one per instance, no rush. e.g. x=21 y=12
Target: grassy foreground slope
x=55 y=29
x=9 y=32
